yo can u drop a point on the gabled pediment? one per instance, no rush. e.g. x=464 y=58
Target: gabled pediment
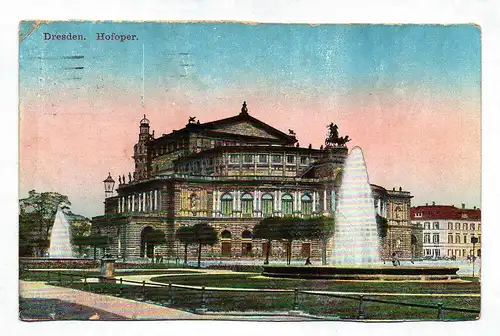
x=247 y=128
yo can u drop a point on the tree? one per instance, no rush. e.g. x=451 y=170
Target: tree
x=184 y=235
x=320 y=228
x=36 y=216
x=203 y=234
x=382 y=226
x=289 y=229
x=153 y=238
x=96 y=240
x=266 y=229
x=80 y=227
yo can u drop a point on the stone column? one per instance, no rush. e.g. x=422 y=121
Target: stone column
x=259 y=203
x=324 y=202
x=279 y=202
x=214 y=204
x=234 y=200
x=133 y=202
x=295 y=207
x=275 y=209
x=314 y=201
x=156 y=199
x=255 y=199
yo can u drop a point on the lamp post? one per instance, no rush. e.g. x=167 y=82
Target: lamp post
x=109 y=184
x=474 y=241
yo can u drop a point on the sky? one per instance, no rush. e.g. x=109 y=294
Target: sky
x=408 y=95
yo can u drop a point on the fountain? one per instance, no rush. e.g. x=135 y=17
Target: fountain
x=355 y=242
x=60 y=237
x=356 y=239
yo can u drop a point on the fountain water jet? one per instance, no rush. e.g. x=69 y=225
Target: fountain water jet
x=356 y=239
x=355 y=243
x=60 y=237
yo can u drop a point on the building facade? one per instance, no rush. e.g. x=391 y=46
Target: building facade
x=448 y=231
x=232 y=173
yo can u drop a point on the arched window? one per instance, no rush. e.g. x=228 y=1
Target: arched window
x=225 y=234
x=457 y=226
x=267 y=205
x=247 y=205
x=286 y=205
x=226 y=204
x=450 y=239
x=466 y=226
x=306 y=205
x=246 y=234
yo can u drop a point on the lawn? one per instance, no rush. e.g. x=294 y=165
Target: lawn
x=50 y=275
x=238 y=280
x=327 y=306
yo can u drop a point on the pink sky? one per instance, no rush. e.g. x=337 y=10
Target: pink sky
x=427 y=142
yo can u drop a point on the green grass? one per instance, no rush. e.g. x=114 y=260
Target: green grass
x=255 y=281
x=48 y=275
x=340 y=307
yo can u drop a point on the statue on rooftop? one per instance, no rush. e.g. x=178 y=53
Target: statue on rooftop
x=291 y=132
x=120 y=179
x=192 y=120
x=244 y=109
x=129 y=177
x=333 y=139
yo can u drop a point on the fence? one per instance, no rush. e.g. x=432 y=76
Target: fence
x=201 y=299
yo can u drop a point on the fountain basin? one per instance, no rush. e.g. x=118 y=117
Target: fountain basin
x=381 y=273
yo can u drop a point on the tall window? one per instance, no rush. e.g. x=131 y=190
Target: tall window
x=247 y=204
x=248 y=158
x=435 y=238
x=262 y=158
x=234 y=158
x=276 y=159
x=450 y=239
x=286 y=205
x=290 y=159
x=457 y=238
x=472 y=226
x=466 y=226
x=267 y=205
x=427 y=238
x=450 y=226
x=306 y=204
x=226 y=204
x=435 y=225
x=427 y=225
x=457 y=226
x=465 y=239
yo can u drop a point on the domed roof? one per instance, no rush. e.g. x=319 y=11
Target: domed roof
x=144 y=121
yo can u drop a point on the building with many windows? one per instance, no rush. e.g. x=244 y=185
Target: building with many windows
x=448 y=230
x=232 y=173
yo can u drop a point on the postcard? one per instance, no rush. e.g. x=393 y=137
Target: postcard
x=244 y=171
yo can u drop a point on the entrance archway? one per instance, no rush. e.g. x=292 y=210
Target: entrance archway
x=226 y=243
x=146 y=250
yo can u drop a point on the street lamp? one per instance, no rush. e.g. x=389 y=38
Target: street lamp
x=109 y=184
x=474 y=241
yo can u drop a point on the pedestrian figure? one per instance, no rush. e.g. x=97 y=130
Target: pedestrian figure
x=308 y=261
x=395 y=260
